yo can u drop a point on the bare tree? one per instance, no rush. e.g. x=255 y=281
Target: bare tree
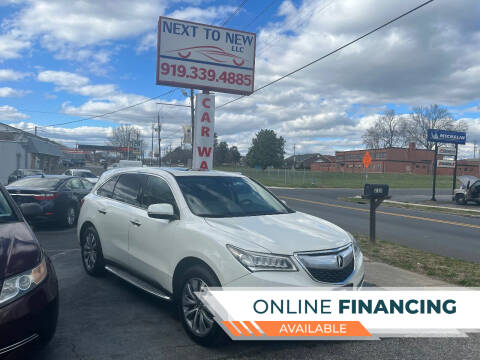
x=127 y=136
x=433 y=117
x=388 y=131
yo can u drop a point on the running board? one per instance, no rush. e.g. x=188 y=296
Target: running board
x=139 y=283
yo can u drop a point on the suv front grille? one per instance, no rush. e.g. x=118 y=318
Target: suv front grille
x=329 y=266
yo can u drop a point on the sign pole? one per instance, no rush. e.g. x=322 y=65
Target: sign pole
x=434 y=171
x=192 y=111
x=455 y=172
x=373 y=207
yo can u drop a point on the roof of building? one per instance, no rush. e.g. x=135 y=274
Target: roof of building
x=38 y=146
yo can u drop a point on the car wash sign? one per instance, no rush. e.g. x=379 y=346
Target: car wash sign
x=205 y=57
x=445 y=136
x=204 y=132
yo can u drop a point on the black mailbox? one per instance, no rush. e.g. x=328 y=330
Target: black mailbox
x=375 y=191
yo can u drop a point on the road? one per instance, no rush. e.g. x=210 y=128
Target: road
x=450 y=235
x=105 y=318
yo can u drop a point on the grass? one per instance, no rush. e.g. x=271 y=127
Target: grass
x=318 y=179
x=454 y=271
x=445 y=210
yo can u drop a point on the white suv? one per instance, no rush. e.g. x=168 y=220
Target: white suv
x=173 y=232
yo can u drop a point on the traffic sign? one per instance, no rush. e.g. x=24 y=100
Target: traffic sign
x=205 y=57
x=445 y=136
x=367 y=159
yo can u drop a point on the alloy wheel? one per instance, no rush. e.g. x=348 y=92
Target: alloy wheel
x=198 y=318
x=90 y=250
x=71 y=216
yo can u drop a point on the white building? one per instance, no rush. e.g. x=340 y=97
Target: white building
x=22 y=150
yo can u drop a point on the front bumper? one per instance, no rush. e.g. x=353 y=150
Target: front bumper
x=30 y=319
x=300 y=278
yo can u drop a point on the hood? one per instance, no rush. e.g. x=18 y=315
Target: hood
x=283 y=234
x=19 y=249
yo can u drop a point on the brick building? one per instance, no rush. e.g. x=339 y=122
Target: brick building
x=394 y=160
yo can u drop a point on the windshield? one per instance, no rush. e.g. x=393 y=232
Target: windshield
x=6 y=212
x=36 y=182
x=86 y=174
x=228 y=196
x=32 y=172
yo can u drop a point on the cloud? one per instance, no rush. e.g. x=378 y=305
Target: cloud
x=76 y=84
x=11 y=46
x=11 y=75
x=9 y=92
x=9 y=113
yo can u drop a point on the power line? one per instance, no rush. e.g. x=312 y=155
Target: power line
x=330 y=53
x=235 y=13
x=260 y=14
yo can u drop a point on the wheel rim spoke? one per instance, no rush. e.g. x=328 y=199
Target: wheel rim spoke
x=198 y=318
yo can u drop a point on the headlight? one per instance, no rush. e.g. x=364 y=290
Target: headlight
x=255 y=261
x=18 y=285
x=356 y=247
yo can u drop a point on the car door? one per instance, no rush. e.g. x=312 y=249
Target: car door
x=114 y=212
x=474 y=191
x=150 y=240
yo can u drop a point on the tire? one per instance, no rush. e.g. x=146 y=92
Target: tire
x=460 y=199
x=194 y=278
x=70 y=217
x=91 y=251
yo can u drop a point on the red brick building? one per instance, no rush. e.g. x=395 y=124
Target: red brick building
x=394 y=160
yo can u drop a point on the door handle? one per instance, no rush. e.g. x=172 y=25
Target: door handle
x=135 y=222
x=102 y=211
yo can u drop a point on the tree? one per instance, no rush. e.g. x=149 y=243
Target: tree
x=266 y=150
x=433 y=117
x=221 y=153
x=127 y=136
x=177 y=156
x=388 y=131
x=234 y=155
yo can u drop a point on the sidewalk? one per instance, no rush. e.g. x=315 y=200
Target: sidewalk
x=383 y=275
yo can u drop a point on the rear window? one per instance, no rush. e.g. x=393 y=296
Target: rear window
x=86 y=174
x=106 y=189
x=6 y=211
x=37 y=182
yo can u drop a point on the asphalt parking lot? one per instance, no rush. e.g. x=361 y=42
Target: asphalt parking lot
x=105 y=318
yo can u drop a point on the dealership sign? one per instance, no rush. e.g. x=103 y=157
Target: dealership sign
x=445 y=136
x=445 y=163
x=447 y=151
x=200 y=56
x=203 y=132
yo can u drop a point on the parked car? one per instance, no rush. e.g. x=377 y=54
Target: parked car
x=173 y=232
x=21 y=173
x=59 y=196
x=67 y=163
x=28 y=284
x=84 y=173
x=77 y=162
x=469 y=190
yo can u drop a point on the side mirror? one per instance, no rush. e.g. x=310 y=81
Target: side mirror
x=31 y=210
x=162 y=211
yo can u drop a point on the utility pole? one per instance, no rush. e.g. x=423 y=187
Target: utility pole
x=35 y=130
x=474 y=146
x=128 y=146
x=151 y=157
x=294 y=156
x=159 y=129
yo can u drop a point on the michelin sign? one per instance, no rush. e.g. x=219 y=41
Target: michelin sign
x=445 y=136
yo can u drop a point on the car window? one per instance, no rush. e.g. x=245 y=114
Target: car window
x=74 y=184
x=157 y=191
x=6 y=211
x=127 y=189
x=37 y=182
x=228 y=196
x=87 y=184
x=106 y=189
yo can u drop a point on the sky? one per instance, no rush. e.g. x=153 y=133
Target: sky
x=64 y=60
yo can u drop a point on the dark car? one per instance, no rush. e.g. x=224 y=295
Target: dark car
x=28 y=283
x=21 y=173
x=59 y=196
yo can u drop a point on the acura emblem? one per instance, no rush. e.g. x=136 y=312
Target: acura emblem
x=340 y=261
